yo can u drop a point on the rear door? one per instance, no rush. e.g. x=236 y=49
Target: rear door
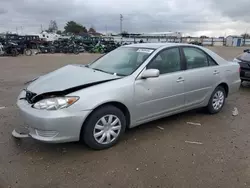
x=201 y=75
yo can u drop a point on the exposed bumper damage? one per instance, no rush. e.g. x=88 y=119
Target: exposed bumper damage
x=51 y=126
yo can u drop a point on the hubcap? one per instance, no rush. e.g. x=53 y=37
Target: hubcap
x=107 y=129
x=218 y=100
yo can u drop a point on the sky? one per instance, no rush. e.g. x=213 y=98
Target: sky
x=191 y=17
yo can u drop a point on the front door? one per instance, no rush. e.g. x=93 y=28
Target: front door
x=155 y=97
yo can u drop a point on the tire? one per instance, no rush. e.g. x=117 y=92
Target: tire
x=52 y=50
x=14 y=52
x=90 y=128
x=213 y=108
x=75 y=51
x=28 y=52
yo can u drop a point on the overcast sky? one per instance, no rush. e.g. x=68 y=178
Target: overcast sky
x=194 y=17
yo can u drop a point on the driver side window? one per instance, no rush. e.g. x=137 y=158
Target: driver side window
x=166 y=61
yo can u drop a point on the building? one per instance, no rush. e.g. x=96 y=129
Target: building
x=162 y=35
x=129 y=38
x=233 y=40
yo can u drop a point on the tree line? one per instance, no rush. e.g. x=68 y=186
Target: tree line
x=70 y=27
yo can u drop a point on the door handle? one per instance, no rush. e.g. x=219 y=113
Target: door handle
x=216 y=72
x=180 y=79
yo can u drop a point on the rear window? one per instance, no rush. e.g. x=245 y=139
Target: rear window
x=244 y=57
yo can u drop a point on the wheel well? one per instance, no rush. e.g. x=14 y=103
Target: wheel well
x=124 y=110
x=225 y=86
x=118 y=105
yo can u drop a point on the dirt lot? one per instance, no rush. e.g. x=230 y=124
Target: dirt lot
x=146 y=156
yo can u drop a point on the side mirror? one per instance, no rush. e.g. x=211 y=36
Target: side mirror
x=150 y=73
x=246 y=50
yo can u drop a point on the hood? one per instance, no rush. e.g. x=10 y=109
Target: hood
x=67 y=77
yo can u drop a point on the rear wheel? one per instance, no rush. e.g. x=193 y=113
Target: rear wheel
x=104 y=127
x=217 y=100
x=28 y=52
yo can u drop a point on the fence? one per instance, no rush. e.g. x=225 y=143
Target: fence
x=204 y=41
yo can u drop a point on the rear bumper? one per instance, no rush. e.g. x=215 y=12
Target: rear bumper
x=243 y=73
x=52 y=126
x=234 y=87
x=245 y=78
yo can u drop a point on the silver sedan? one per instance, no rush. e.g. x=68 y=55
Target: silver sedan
x=129 y=86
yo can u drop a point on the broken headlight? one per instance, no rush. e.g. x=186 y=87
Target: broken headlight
x=55 y=103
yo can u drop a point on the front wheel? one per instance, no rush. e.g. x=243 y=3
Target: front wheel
x=217 y=100
x=75 y=51
x=14 y=52
x=104 y=127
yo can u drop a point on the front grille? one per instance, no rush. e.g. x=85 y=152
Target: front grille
x=29 y=96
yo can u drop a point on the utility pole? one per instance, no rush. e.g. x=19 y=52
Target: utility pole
x=245 y=36
x=121 y=19
x=16 y=30
x=106 y=29
x=41 y=28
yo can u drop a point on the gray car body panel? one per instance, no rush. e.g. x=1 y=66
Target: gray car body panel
x=68 y=77
x=145 y=99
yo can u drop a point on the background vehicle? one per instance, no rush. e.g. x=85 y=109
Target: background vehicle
x=46 y=49
x=1 y=49
x=244 y=62
x=11 y=49
x=127 y=87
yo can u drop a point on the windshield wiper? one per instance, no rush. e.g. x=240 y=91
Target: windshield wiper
x=102 y=70
x=117 y=74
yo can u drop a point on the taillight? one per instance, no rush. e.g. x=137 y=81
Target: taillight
x=239 y=69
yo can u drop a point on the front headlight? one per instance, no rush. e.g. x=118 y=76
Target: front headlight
x=55 y=103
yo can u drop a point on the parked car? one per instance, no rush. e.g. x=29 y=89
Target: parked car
x=129 y=86
x=196 y=43
x=244 y=62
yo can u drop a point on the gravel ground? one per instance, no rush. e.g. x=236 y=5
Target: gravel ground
x=152 y=155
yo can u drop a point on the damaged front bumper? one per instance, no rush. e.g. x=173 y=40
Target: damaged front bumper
x=57 y=126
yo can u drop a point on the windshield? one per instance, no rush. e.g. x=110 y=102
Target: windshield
x=244 y=57
x=122 y=61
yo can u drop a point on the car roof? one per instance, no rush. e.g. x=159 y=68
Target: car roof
x=157 y=45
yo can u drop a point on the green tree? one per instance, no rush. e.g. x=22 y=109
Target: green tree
x=92 y=30
x=245 y=35
x=75 y=28
x=52 y=27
